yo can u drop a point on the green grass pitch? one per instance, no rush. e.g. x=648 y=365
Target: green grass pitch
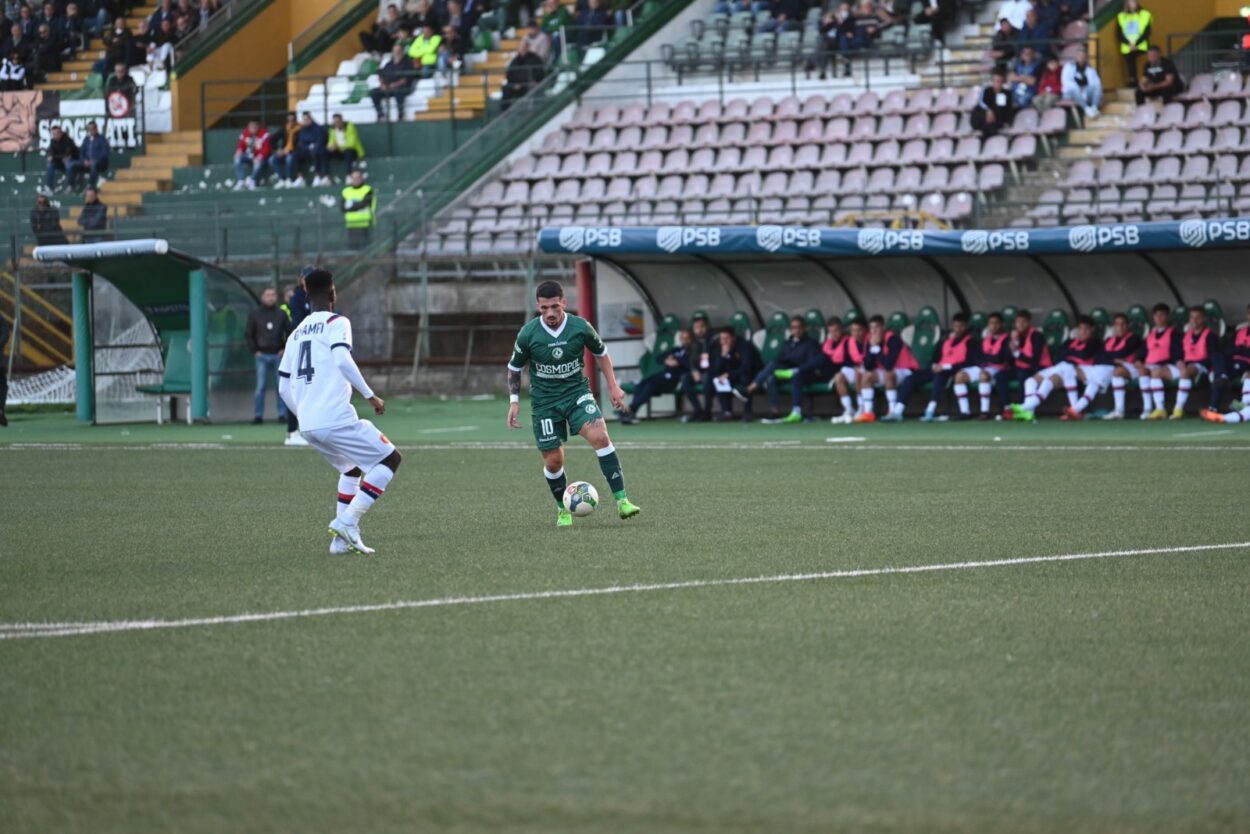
x=1094 y=695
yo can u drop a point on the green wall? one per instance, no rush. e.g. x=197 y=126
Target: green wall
x=380 y=140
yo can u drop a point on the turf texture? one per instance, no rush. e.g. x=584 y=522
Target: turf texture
x=1101 y=695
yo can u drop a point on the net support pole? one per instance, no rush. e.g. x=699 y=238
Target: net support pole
x=197 y=293
x=586 y=304
x=84 y=348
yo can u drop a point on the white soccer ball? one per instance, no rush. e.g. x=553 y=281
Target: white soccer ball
x=580 y=498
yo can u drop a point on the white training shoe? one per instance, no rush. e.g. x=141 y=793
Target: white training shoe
x=295 y=439
x=338 y=547
x=350 y=535
x=298 y=182
x=322 y=182
x=249 y=184
x=281 y=183
x=843 y=420
x=1113 y=415
x=238 y=186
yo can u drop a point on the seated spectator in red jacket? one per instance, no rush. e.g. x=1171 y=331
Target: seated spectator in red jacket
x=1049 y=86
x=251 y=155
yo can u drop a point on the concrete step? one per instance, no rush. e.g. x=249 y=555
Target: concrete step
x=139 y=177
x=166 y=162
x=61 y=85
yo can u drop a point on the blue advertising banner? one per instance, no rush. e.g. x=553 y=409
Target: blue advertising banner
x=801 y=240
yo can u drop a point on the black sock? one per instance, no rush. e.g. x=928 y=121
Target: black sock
x=556 y=483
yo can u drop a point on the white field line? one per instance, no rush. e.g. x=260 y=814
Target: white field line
x=1203 y=433
x=447 y=429
x=772 y=446
x=18 y=631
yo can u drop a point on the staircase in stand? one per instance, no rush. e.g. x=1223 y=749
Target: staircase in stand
x=74 y=74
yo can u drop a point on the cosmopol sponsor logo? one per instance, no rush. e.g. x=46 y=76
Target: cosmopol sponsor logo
x=576 y=238
x=1089 y=238
x=876 y=241
x=672 y=238
x=772 y=238
x=1198 y=233
x=979 y=241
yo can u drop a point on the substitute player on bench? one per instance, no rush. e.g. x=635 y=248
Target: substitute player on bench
x=553 y=346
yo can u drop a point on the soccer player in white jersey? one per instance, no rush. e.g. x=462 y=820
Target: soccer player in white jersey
x=316 y=378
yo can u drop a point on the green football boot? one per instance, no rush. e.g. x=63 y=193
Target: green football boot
x=1022 y=414
x=564 y=519
x=627 y=508
x=792 y=418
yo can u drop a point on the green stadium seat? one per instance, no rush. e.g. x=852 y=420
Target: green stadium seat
x=925 y=336
x=367 y=68
x=852 y=314
x=977 y=322
x=741 y=323
x=1055 y=329
x=774 y=335
x=897 y=322
x=928 y=315
x=1180 y=315
x=700 y=314
x=1009 y=315
x=1215 y=317
x=1102 y=321
x=815 y=322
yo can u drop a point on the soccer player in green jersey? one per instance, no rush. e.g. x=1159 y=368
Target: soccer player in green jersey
x=553 y=345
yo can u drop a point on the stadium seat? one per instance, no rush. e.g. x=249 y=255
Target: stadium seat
x=815 y=322
x=977 y=322
x=774 y=336
x=897 y=322
x=1055 y=329
x=741 y=323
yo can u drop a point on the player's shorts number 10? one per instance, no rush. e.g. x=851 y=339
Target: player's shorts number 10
x=548 y=428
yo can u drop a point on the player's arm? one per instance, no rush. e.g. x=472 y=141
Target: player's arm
x=600 y=352
x=517 y=361
x=284 y=382
x=341 y=350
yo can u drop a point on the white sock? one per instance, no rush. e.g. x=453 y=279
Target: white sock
x=1117 y=391
x=1160 y=394
x=891 y=398
x=1182 y=392
x=1091 y=391
x=1030 y=387
x=1238 y=416
x=930 y=408
x=1072 y=397
x=1245 y=389
x=961 y=394
x=372 y=484
x=847 y=407
x=984 y=388
x=348 y=486
x=797 y=410
x=1147 y=386
x=865 y=401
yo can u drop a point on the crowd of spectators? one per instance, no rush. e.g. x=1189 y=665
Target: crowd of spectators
x=300 y=145
x=1031 y=80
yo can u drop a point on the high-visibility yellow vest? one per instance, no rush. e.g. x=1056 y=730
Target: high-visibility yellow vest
x=425 y=50
x=1134 y=27
x=362 y=216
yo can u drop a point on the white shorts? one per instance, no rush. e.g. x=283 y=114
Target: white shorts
x=356 y=445
x=1099 y=375
x=849 y=373
x=1202 y=369
x=1174 y=370
x=1066 y=371
x=878 y=376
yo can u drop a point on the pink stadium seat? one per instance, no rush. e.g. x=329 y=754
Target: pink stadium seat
x=1110 y=171
x=1228 y=85
x=755 y=158
x=917 y=126
x=886 y=153
x=660 y=112
x=628 y=137
x=655 y=137
x=685 y=112
x=624 y=161
x=815 y=107
x=920 y=101
x=1079 y=202
x=703 y=160
x=599 y=164
x=822 y=208
x=828 y=182
x=807 y=156
x=914 y=152
x=676 y=161
x=991 y=177
x=1228 y=113
x=691 y=211
x=833 y=156
x=860 y=154
x=810 y=131
x=865 y=127
x=651 y=162
x=1143 y=117
x=593 y=190
x=867 y=104
x=909 y=178
x=695 y=185
x=779 y=158
x=969 y=98
x=1197 y=141
x=1138 y=171
x=1082 y=172
x=492 y=193
x=646 y=186
x=785 y=132
x=743 y=211
x=1141 y=143
x=680 y=136
x=1200 y=86
x=577 y=140
x=716 y=212
x=722 y=186
x=958 y=207
x=788 y=108
x=664 y=213
x=761 y=108
x=969 y=147
x=1191 y=198
x=944 y=124
x=619 y=188
x=568 y=191
x=583 y=116
x=837 y=130
x=1225 y=167
x=736 y=110
x=1167 y=169
x=854 y=181
x=572 y=165
x=843 y=104
x=1053 y=121
x=795 y=211
x=1133 y=199
x=633 y=115
x=1113 y=144
x=1172 y=116
x=947 y=101
x=905 y=202
x=1199 y=114
x=894 y=102
x=1243 y=173
x=1169 y=142
x=890 y=127
x=750 y=183
x=708 y=135
x=542 y=192
x=737 y=133
x=709 y=111
x=936 y=178
x=802 y=182
x=1197 y=169
x=941 y=150
x=553 y=142
x=995 y=148
x=775 y=184
x=728 y=159
x=1022 y=148
x=849 y=205
x=608 y=115
x=964 y=177
x=1048 y=204
x=521 y=168
x=877 y=202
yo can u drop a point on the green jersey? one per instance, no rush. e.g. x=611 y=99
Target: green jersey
x=555 y=358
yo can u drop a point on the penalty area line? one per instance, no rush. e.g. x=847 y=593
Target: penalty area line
x=20 y=631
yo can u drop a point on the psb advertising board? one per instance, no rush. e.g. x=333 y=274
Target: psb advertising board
x=801 y=240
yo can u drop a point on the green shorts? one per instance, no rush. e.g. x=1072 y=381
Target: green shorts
x=554 y=422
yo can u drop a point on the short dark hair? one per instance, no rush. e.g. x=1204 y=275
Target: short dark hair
x=1160 y=308
x=991 y=316
x=1198 y=308
x=1119 y=316
x=1086 y=320
x=799 y=319
x=998 y=73
x=318 y=282
x=832 y=320
x=549 y=289
x=729 y=331
x=960 y=317
x=877 y=320
x=1024 y=314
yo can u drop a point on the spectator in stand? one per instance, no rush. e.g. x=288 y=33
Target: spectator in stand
x=284 y=150
x=1025 y=72
x=554 y=18
x=1003 y=44
x=62 y=153
x=733 y=367
x=995 y=110
x=182 y=29
x=422 y=14
x=1072 y=10
x=424 y=51
x=26 y=19
x=796 y=351
x=19 y=43
x=1159 y=78
x=1049 y=17
x=450 y=51
x=266 y=333
x=593 y=23
x=1082 y=86
x=787 y=16
x=95 y=16
x=47 y=53
x=204 y=14
x=395 y=80
x=539 y=43
x=121 y=83
x=45 y=222
x=836 y=33
x=49 y=17
x=164 y=11
x=118 y=47
x=73 y=32
x=310 y=149
x=663 y=382
x=936 y=13
x=460 y=22
x=359 y=207
x=1033 y=34
x=525 y=71
x=381 y=37
x=867 y=26
x=1049 y=86
x=251 y=155
x=94 y=218
x=93 y=158
x=1015 y=11
x=344 y=142
x=13 y=73
x=1133 y=27
x=160 y=47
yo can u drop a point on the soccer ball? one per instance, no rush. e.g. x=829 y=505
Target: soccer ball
x=580 y=498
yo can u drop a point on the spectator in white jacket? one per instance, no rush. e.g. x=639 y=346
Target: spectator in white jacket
x=1082 y=85
x=1014 y=10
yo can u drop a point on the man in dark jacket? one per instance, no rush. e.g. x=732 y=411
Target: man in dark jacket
x=120 y=83
x=795 y=352
x=94 y=219
x=524 y=72
x=45 y=222
x=47 y=53
x=310 y=149
x=395 y=81
x=266 y=333
x=996 y=109
x=698 y=371
x=666 y=381
x=93 y=156
x=62 y=152
x=734 y=365
x=5 y=330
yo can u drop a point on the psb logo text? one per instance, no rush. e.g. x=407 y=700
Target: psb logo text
x=575 y=238
x=876 y=241
x=1089 y=238
x=978 y=242
x=1198 y=233
x=772 y=238
x=672 y=238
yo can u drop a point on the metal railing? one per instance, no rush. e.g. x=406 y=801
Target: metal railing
x=217 y=22
x=1208 y=51
x=325 y=24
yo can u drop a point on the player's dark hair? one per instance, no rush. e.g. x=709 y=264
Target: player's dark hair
x=318 y=283
x=1160 y=308
x=730 y=331
x=1119 y=316
x=1085 y=320
x=799 y=319
x=832 y=321
x=960 y=317
x=877 y=320
x=549 y=289
x=1198 y=308
x=993 y=316
x=1024 y=314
